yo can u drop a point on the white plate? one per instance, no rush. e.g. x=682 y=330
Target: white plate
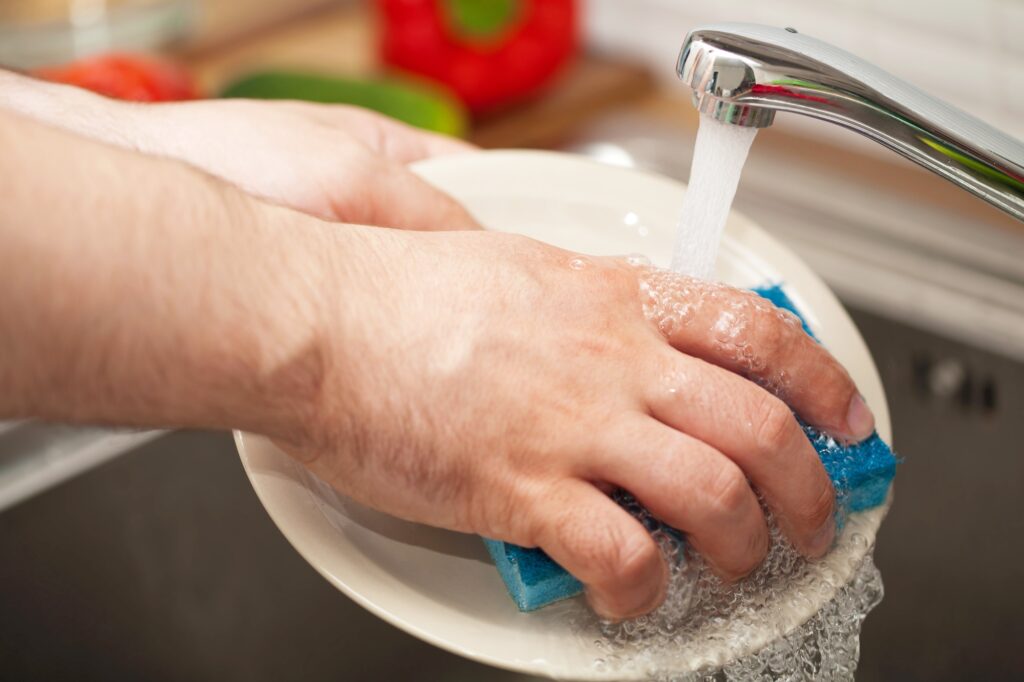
x=441 y=586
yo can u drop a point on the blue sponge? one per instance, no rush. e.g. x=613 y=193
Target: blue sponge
x=532 y=577
x=861 y=475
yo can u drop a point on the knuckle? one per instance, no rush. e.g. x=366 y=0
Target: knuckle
x=774 y=425
x=565 y=529
x=597 y=549
x=633 y=558
x=612 y=557
x=728 y=493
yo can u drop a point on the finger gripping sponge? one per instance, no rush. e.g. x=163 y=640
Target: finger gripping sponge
x=861 y=475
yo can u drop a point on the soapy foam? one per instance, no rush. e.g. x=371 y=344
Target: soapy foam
x=718 y=157
x=701 y=614
x=672 y=301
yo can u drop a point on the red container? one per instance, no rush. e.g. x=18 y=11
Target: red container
x=488 y=52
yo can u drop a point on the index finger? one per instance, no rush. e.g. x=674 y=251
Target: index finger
x=745 y=333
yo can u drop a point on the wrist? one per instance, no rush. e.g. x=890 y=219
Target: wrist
x=305 y=321
x=73 y=109
x=258 y=355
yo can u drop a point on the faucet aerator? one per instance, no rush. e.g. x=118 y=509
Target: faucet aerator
x=734 y=114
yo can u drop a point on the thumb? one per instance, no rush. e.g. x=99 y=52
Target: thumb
x=395 y=197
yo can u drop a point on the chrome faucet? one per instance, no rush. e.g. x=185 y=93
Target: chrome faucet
x=743 y=73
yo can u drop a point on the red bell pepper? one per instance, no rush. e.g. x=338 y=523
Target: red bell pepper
x=489 y=52
x=125 y=76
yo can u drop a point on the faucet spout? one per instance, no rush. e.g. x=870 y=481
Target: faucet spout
x=744 y=73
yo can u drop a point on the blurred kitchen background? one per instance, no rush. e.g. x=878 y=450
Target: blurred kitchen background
x=131 y=555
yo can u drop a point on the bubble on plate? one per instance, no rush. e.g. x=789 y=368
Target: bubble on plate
x=702 y=615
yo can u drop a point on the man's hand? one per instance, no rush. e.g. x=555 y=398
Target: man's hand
x=335 y=162
x=496 y=385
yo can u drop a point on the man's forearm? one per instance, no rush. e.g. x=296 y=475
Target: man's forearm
x=136 y=290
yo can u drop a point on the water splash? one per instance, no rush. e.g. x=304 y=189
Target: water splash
x=718 y=157
x=707 y=621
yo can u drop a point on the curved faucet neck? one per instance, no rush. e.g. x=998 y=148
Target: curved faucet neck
x=744 y=73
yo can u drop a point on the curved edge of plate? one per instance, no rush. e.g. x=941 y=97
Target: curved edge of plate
x=265 y=465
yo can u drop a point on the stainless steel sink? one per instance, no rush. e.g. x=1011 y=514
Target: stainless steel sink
x=163 y=565
x=951 y=551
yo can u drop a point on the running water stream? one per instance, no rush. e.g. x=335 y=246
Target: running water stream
x=718 y=159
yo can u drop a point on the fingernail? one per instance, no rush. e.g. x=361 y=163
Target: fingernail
x=859 y=419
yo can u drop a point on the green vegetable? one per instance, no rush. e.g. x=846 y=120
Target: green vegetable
x=483 y=18
x=414 y=103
